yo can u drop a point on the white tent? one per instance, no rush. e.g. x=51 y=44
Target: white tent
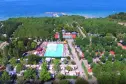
x=48 y=59
x=72 y=73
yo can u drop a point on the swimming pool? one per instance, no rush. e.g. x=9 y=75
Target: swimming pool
x=54 y=50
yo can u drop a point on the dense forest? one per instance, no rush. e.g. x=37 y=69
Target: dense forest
x=119 y=16
x=103 y=26
x=9 y=27
x=43 y=27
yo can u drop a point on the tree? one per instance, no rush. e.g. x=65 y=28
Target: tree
x=12 y=61
x=110 y=58
x=33 y=45
x=21 y=45
x=118 y=57
x=73 y=62
x=5 y=77
x=81 y=81
x=93 y=54
x=69 y=68
x=56 y=65
x=103 y=59
x=20 y=80
x=64 y=82
x=44 y=74
x=106 y=54
x=19 y=67
x=90 y=60
x=122 y=77
x=30 y=74
x=33 y=59
x=86 y=54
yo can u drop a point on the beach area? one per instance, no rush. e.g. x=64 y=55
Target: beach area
x=87 y=14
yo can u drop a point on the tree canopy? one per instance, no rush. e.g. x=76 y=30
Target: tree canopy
x=44 y=74
x=30 y=74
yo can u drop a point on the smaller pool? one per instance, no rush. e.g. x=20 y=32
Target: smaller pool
x=54 y=50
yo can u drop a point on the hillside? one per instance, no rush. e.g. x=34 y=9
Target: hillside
x=119 y=16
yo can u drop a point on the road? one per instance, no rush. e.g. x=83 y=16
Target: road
x=76 y=59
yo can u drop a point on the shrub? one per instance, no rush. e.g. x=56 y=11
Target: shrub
x=69 y=68
x=68 y=57
x=64 y=82
x=60 y=76
x=70 y=77
x=73 y=62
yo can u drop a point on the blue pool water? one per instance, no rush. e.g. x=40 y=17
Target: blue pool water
x=54 y=53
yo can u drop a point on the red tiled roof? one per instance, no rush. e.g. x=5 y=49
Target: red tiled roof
x=112 y=52
x=119 y=44
x=123 y=47
x=82 y=54
x=89 y=70
x=74 y=36
x=56 y=36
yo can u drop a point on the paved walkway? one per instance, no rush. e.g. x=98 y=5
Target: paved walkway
x=79 y=28
x=82 y=33
x=75 y=58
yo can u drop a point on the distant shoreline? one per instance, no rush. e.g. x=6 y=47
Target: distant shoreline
x=50 y=14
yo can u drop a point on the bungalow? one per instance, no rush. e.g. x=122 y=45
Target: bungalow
x=56 y=35
x=112 y=53
x=69 y=35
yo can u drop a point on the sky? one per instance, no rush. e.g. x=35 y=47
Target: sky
x=115 y=4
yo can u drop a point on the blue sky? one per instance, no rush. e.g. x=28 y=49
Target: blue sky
x=38 y=6
x=75 y=3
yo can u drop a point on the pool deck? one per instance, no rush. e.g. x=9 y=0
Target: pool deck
x=44 y=50
x=54 y=50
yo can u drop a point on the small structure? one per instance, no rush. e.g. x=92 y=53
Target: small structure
x=90 y=71
x=69 y=35
x=72 y=73
x=56 y=35
x=9 y=68
x=65 y=42
x=48 y=60
x=112 y=52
